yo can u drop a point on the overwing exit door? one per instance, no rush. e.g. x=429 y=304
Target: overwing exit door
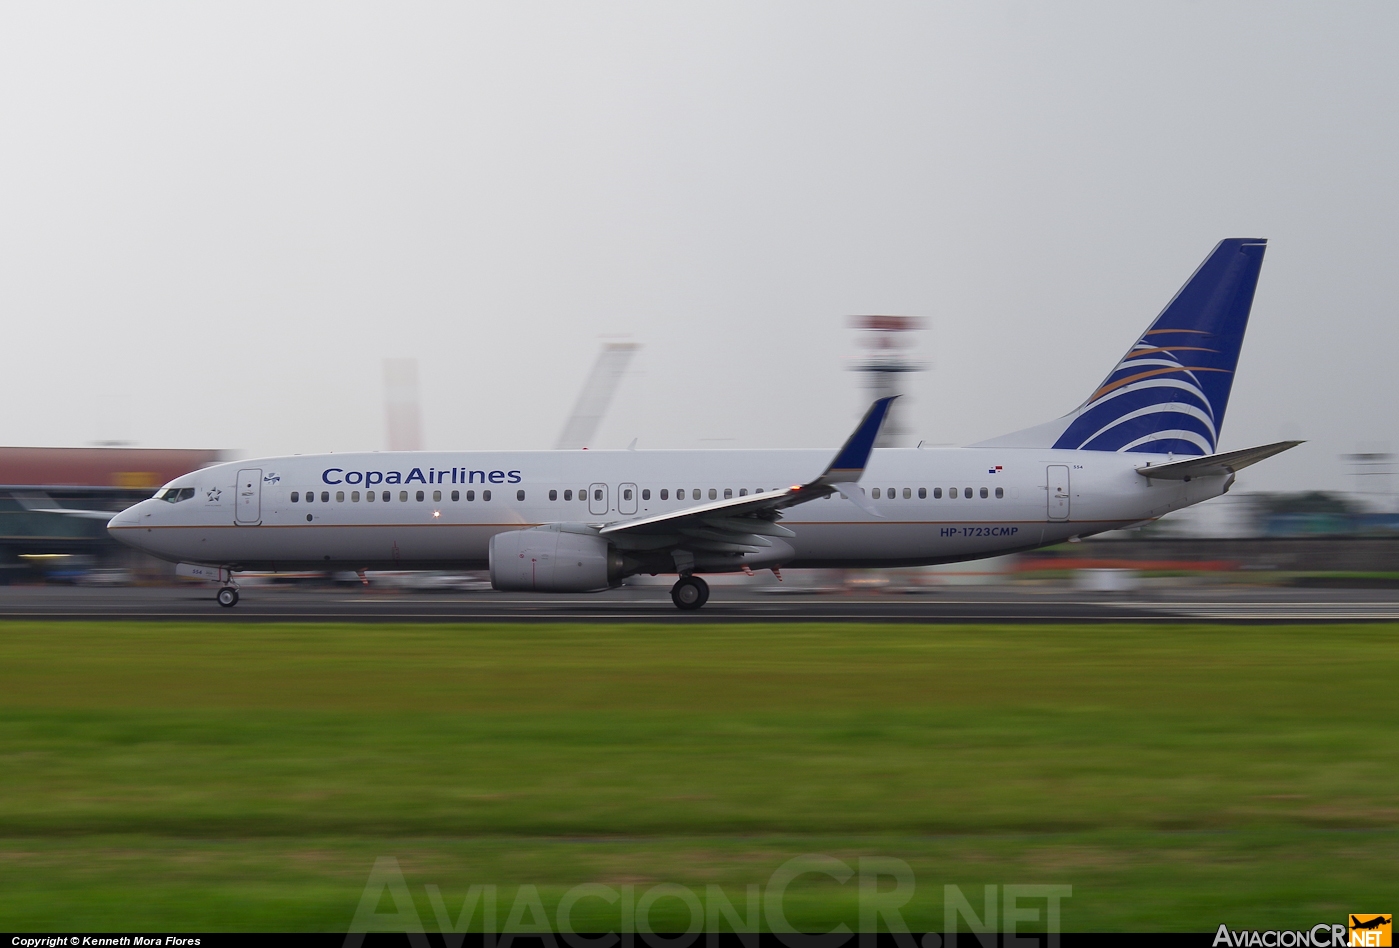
x=1057 y=491
x=250 y=496
x=597 y=499
x=626 y=498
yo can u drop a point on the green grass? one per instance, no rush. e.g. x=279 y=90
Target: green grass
x=168 y=776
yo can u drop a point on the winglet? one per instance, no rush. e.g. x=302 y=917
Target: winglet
x=850 y=461
x=841 y=476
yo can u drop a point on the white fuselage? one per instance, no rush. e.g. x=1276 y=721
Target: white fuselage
x=430 y=509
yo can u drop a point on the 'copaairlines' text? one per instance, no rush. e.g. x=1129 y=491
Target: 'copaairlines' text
x=455 y=475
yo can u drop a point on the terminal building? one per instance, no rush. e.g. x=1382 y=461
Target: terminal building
x=55 y=503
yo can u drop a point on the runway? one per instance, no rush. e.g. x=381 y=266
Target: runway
x=728 y=604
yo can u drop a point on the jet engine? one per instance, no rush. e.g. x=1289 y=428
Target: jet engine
x=547 y=559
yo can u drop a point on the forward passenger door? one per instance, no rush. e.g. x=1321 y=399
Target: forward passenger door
x=249 y=490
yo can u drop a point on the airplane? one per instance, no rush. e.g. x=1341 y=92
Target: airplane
x=1141 y=445
x=1375 y=922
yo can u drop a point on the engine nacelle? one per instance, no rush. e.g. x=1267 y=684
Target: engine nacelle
x=545 y=559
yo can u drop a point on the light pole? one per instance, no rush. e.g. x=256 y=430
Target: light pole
x=887 y=340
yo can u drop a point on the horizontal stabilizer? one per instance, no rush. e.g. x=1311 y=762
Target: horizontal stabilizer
x=1214 y=464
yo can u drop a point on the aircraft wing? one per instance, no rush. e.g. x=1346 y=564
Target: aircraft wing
x=1226 y=463
x=744 y=524
x=39 y=502
x=80 y=514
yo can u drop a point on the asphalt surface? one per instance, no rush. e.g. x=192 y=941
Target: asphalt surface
x=1008 y=603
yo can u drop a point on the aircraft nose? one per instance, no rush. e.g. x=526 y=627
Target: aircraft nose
x=121 y=526
x=127 y=518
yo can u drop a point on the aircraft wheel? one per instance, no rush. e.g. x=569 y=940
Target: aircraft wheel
x=228 y=597
x=689 y=593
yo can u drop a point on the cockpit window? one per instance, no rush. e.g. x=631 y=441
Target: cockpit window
x=173 y=495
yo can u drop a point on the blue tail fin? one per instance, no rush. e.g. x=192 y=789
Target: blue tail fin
x=1168 y=393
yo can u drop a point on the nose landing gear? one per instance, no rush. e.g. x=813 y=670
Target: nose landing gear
x=227 y=597
x=689 y=593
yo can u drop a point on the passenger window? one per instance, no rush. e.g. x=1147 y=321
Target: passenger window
x=403 y=496
x=908 y=494
x=952 y=492
x=456 y=496
x=984 y=493
x=891 y=493
x=1000 y=492
x=295 y=496
x=728 y=493
x=519 y=495
x=485 y=495
x=626 y=494
x=420 y=496
x=369 y=496
x=339 y=496
x=937 y=493
x=922 y=493
x=354 y=496
x=470 y=495
x=597 y=494
x=743 y=492
x=553 y=495
x=758 y=491
x=713 y=494
x=665 y=493
x=436 y=495
x=568 y=495
x=646 y=493
x=680 y=494
x=583 y=494
x=967 y=493
x=875 y=493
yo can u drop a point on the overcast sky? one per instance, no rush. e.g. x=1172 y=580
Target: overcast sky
x=216 y=221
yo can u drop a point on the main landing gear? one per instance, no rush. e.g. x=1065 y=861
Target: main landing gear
x=689 y=593
x=227 y=597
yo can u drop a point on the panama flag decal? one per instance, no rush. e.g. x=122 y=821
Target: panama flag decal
x=994 y=470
